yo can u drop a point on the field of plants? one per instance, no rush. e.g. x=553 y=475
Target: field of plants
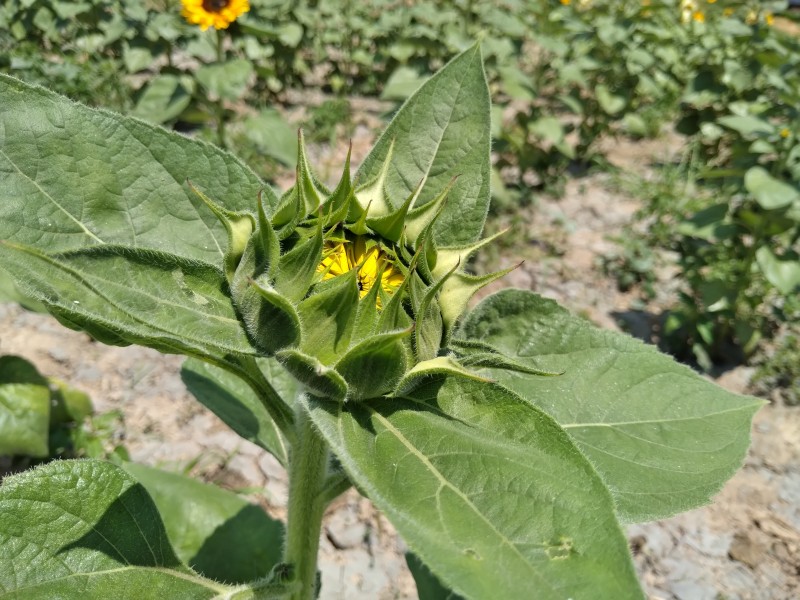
x=643 y=172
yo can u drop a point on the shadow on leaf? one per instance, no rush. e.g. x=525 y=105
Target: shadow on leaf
x=130 y=532
x=236 y=551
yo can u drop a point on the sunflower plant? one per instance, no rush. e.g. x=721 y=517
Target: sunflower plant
x=507 y=442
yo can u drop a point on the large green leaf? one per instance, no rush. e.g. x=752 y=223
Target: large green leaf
x=488 y=490
x=441 y=132
x=663 y=438
x=235 y=402
x=769 y=192
x=781 y=271
x=226 y=80
x=24 y=408
x=428 y=586
x=86 y=529
x=164 y=98
x=403 y=82
x=127 y=295
x=747 y=125
x=133 y=255
x=213 y=531
x=73 y=176
x=273 y=136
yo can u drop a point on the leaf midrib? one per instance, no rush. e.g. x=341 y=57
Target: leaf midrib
x=79 y=275
x=444 y=482
x=51 y=199
x=452 y=106
x=660 y=421
x=221 y=591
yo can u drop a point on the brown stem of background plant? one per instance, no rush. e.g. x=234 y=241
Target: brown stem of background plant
x=220 y=108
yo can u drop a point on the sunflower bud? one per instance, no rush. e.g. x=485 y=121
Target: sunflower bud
x=349 y=288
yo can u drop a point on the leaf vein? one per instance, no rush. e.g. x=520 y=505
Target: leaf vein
x=51 y=199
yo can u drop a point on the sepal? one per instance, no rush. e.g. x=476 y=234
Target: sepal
x=446 y=258
x=373 y=367
x=391 y=226
x=421 y=218
x=320 y=380
x=271 y=321
x=337 y=206
x=238 y=225
x=298 y=267
x=429 y=313
x=369 y=311
x=459 y=289
x=288 y=214
x=328 y=316
x=309 y=190
x=393 y=314
x=304 y=198
x=424 y=371
x=371 y=196
x=260 y=257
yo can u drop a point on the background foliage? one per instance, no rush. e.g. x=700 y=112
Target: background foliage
x=564 y=77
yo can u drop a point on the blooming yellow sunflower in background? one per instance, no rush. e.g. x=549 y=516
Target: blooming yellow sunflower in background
x=213 y=13
x=342 y=257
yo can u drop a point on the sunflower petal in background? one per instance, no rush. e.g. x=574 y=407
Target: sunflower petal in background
x=213 y=13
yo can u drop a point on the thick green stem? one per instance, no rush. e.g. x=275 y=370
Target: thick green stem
x=307 y=471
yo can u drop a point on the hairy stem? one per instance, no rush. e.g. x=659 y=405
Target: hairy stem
x=307 y=471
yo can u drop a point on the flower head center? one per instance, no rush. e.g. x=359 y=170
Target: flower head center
x=342 y=256
x=218 y=14
x=215 y=5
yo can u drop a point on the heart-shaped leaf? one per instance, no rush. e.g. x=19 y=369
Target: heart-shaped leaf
x=24 y=408
x=781 y=271
x=488 y=490
x=87 y=529
x=663 y=438
x=165 y=98
x=769 y=192
x=214 y=531
x=226 y=80
x=441 y=132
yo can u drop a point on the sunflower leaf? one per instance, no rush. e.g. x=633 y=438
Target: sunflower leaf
x=441 y=132
x=87 y=529
x=662 y=438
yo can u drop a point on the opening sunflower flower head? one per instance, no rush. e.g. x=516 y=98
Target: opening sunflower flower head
x=218 y=14
x=372 y=263
x=348 y=287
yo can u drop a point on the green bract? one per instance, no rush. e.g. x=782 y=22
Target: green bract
x=351 y=289
x=331 y=327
